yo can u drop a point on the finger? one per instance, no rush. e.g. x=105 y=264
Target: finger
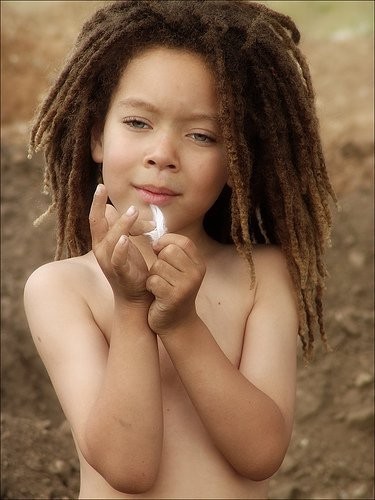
x=98 y=222
x=121 y=226
x=120 y=253
x=182 y=242
x=159 y=287
x=141 y=227
x=111 y=214
x=164 y=270
x=175 y=257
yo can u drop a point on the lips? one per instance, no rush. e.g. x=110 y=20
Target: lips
x=155 y=195
x=157 y=190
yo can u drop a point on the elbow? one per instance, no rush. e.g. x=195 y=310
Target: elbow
x=264 y=465
x=129 y=477
x=130 y=473
x=131 y=482
x=260 y=471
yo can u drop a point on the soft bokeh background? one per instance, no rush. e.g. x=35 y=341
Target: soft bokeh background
x=331 y=453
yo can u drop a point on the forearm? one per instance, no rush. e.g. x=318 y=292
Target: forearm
x=125 y=428
x=243 y=422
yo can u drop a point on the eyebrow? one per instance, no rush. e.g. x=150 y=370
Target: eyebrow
x=137 y=103
x=140 y=103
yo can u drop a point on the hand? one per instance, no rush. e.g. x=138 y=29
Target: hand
x=174 y=280
x=120 y=260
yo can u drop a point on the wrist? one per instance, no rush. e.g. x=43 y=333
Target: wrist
x=182 y=328
x=131 y=317
x=124 y=305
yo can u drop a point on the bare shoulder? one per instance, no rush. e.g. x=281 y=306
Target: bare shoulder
x=57 y=297
x=274 y=284
x=270 y=265
x=67 y=274
x=268 y=259
x=273 y=277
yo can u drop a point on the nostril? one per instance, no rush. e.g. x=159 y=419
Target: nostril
x=152 y=163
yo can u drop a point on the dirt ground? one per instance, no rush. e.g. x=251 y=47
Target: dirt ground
x=331 y=453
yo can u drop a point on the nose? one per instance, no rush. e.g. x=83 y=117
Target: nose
x=162 y=154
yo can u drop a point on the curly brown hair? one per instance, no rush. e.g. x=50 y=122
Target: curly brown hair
x=280 y=189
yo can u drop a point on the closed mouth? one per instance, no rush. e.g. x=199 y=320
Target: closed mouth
x=157 y=190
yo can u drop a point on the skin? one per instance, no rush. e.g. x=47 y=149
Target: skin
x=177 y=379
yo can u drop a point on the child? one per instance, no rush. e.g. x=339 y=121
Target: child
x=175 y=360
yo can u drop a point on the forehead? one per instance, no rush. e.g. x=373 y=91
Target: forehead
x=162 y=74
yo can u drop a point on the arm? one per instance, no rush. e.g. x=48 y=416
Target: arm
x=247 y=412
x=127 y=414
x=124 y=430
x=110 y=395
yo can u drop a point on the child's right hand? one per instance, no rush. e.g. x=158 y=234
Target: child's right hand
x=120 y=260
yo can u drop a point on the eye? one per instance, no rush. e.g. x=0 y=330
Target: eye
x=202 y=138
x=135 y=123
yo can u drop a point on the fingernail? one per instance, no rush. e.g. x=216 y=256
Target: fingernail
x=130 y=211
x=99 y=189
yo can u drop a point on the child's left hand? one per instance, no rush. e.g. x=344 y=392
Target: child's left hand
x=174 y=280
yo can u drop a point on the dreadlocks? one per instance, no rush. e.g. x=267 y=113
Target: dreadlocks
x=280 y=189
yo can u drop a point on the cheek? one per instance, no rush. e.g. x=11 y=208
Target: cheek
x=115 y=172
x=207 y=189
x=113 y=154
x=118 y=159
x=212 y=175
x=118 y=150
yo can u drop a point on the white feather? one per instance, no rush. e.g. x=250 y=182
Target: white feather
x=158 y=218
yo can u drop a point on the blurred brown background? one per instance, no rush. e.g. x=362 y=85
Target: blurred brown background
x=331 y=454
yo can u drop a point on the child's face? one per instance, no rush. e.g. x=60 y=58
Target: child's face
x=161 y=142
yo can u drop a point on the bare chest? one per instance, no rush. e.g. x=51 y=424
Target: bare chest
x=190 y=462
x=224 y=310
x=226 y=320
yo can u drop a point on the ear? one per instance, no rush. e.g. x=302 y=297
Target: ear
x=97 y=144
x=229 y=182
